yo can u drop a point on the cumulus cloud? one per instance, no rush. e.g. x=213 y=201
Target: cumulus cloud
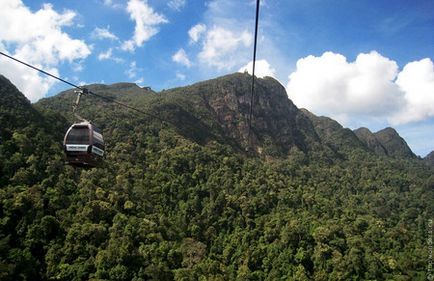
x=262 y=69
x=147 y=22
x=131 y=72
x=196 y=31
x=332 y=86
x=112 y=4
x=221 y=45
x=108 y=55
x=370 y=87
x=77 y=66
x=416 y=80
x=180 y=76
x=139 y=81
x=27 y=80
x=181 y=57
x=104 y=33
x=37 y=38
x=105 y=55
x=176 y=4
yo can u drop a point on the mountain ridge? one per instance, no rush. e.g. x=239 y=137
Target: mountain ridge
x=219 y=107
x=184 y=203
x=15 y=107
x=385 y=142
x=429 y=158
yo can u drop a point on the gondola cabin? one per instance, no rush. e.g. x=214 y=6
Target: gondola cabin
x=83 y=145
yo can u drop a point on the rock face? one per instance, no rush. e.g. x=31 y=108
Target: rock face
x=385 y=142
x=332 y=134
x=277 y=124
x=429 y=158
x=393 y=143
x=370 y=140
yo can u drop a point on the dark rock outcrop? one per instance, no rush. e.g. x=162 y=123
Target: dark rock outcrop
x=370 y=140
x=429 y=158
x=393 y=143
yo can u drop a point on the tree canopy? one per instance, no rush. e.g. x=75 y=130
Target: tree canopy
x=165 y=207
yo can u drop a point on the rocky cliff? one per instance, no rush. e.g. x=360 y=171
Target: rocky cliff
x=385 y=142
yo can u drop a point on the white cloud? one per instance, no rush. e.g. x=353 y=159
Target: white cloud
x=416 y=80
x=176 y=4
x=221 y=47
x=181 y=57
x=370 y=87
x=332 y=86
x=139 y=81
x=27 y=80
x=146 y=20
x=196 y=31
x=108 y=55
x=128 y=46
x=104 y=33
x=112 y=4
x=222 y=40
x=131 y=72
x=37 y=38
x=105 y=55
x=262 y=69
x=77 y=66
x=180 y=76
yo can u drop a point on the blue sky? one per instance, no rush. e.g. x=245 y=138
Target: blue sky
x=364 y=63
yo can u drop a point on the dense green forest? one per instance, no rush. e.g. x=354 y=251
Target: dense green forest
x=170 y=203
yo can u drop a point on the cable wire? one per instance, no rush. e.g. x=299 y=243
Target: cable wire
x=253 y=71
x=108 y=99
x=86 y=91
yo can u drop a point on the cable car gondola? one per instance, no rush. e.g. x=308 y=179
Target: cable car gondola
x=83 y=145
x=83 y=142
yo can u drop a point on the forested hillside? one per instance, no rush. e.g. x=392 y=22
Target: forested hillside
x=185 y=202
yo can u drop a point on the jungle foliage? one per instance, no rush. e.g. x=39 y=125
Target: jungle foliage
x=163 y=207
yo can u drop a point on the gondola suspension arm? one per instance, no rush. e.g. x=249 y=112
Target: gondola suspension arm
x=77 y=103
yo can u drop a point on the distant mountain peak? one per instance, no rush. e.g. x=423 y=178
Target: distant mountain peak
x=277 y=124
x=218 y=109
x=370 y=140
x=429 y=158
x=385 y=142
x=332 y=134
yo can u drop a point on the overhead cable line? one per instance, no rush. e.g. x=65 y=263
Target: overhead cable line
x=86 y=91
x=253 y=71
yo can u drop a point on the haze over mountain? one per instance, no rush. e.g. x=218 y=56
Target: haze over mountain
x=182 y=200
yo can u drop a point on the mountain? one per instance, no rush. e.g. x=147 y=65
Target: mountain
x=332 y=134
x=182 y=200
x=385 y=142
x=27 y=136
x=17 y=112
x=370 y=140
x=430 y=158
x=218 y=109
x=277 y=124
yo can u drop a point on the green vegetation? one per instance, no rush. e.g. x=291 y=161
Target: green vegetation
x=164 y=206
